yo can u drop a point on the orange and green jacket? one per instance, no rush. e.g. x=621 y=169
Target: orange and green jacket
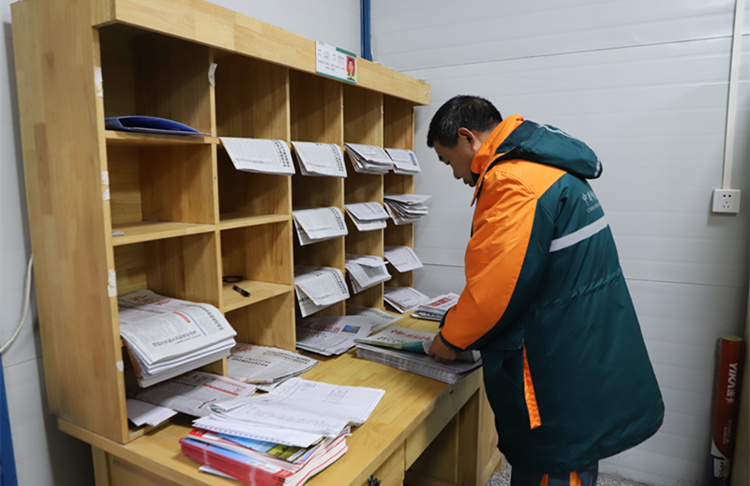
x=565 y=366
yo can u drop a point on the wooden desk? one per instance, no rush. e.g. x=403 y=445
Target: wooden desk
x=452 y=424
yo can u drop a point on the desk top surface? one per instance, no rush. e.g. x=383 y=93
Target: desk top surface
x=408 y=400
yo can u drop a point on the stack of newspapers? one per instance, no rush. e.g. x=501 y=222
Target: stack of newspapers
x=166 y=337
x=283 y=437
x=319 y=159
x=406 y=208
x=367 y=216
x=365 y=271
x=407 y=350
x=404 y=299
x=368 y=159
x=435 y=309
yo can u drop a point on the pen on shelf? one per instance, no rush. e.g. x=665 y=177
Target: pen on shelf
x=241 y=291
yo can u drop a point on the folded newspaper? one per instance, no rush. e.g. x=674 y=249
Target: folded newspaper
x=167 y=337
x=265 y=366
x=435 y=309
x=330 y=335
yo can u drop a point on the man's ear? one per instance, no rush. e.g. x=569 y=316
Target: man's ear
x=466 y=134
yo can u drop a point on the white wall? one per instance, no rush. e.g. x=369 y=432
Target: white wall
x=645 y=84
x=45 y=456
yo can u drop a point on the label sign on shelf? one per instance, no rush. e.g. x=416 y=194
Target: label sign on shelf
x=336 y=63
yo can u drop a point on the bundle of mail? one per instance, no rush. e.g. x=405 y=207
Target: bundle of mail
x=404 y=299
x=265 y=366
x=166 y=337
x=365 y=271
x=367 y=216
x=318 y=224
x=404 y=161
x=283 y=437
x=435 y=309
x=318 y=288
x=319 y=159
x=406 y=208
x=368 y=159
x=331 y=335
x=259 y=155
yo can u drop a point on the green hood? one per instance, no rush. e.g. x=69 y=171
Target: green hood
x=548 y=145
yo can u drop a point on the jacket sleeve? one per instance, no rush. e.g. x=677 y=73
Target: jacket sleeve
x=504 y=261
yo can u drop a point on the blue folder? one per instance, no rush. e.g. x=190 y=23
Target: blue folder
x=149 y=124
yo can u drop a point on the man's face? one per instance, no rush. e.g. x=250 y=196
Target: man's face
x=458 y=158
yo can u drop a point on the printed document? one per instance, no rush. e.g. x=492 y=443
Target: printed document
x=319 y=159
x=331 y=335
x=365 y=271
x=403 y=299
x=368 y=159
x=402 y=258
x=193 y=392
x=404 y=161
x=259 y=155
x=377 y=318
x=318 y=224
x=367 y=216
x=323 y=286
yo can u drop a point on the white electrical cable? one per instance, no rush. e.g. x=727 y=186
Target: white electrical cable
x=734 y=72
x=27 y=297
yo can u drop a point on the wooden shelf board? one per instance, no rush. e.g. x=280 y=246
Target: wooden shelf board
x=156 y=230
x=115 y=137
x=234 y=220
x=259 y=291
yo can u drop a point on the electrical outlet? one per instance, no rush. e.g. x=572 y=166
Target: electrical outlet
x=726 y=201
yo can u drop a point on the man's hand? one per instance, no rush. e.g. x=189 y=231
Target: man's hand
x=440 y=352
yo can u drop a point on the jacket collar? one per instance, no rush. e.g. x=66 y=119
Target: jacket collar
x=487 y=151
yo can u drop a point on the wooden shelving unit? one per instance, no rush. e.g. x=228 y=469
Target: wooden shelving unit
x=112 y=212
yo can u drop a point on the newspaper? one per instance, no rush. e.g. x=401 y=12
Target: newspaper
x=377 y=318
x=367 y=216
x=331 y=335
x=318 y=224
x=259 y=155
x=402 y=258
x=406 y=208
x=368 y=159
x=264 y=365
x=404 y=299
x=365 y=271
x=297 y=413
x=404 y=161
x=405 y=339
x=319 y=159
x=159 y=328
x=435 y=309
x=318 y=288
x=143 y=413
x=193 y=392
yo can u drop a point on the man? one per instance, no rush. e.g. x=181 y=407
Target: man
x=565 y=367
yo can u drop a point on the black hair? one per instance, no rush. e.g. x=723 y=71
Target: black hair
x=472 y=112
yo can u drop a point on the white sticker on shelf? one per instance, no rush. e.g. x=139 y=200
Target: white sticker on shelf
x=120 y=366
x=98 y=82
x=112 y=283
x=212 y=74
x=105 y=183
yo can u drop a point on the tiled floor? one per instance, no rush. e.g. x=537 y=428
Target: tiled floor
x=503 y=479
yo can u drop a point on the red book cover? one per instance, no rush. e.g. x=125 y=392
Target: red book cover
x=725 y=414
